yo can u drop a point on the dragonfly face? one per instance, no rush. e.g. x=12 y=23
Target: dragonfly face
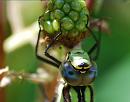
x=77 y=69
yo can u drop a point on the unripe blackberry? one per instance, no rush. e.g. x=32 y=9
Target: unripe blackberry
x=68 y=16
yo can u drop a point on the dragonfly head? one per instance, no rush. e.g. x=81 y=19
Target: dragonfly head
x=79 y=60
x=78 y=69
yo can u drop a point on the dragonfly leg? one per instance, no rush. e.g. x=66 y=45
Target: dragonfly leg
x=96 y=45
x=66 y=93
x=49 y=46
x=54 y=61
x=91 y=93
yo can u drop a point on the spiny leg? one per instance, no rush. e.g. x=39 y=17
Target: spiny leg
x=40 y=57
x=96 y=45
x=66 y=94
x=49 y=46
x=91 y=93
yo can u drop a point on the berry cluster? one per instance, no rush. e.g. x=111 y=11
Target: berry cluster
x=68 y=16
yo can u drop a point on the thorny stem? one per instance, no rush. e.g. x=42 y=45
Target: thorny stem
x=39 y=77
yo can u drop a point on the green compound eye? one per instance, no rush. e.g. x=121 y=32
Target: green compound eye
x=67 y=23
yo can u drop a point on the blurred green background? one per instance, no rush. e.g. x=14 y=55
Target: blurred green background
x=113 y=81
x=112 y=84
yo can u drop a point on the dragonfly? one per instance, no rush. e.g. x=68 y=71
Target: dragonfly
x=78 y=69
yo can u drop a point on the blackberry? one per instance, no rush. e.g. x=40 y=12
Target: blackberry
x=68 y=16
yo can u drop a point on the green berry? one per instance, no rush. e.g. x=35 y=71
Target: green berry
x=74 y=32
x=80 y=25
x=47 y=15
x=74 y=15
x=58 y=14
x=66 y=8
x=52 y=16
x=84 y=11
x=67 y=23
x=59 y=3
x=83 y=18
x=82 y=3
x=47 y=25
x=69 y=16
x=56 y=25
x=68 y=0
x=76 y=5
